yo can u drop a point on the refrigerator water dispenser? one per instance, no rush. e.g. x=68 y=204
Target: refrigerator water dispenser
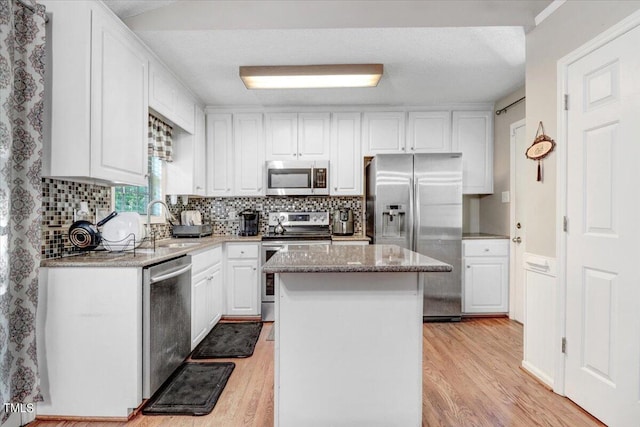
x=393 y=221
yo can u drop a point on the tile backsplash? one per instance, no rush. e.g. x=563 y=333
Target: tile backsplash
x=61 y=198
x=216 y=210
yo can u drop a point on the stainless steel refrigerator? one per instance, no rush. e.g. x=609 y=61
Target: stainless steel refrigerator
x=415 y=201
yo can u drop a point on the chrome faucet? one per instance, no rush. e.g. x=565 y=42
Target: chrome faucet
x=168 y=215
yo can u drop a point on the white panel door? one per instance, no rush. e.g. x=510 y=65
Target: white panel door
x=216 y=296
x=429 y=132
x=313 y=136
x=519 y=145
x=282 y=136
x=383 y=133
x=249 y=154
x=603 y=279
x=242 y=287
x=119 y=105
x=199 y=161
x=346 y=155
x=219 y=155
x=486 y=283
x=473 y=136
x=199 y=289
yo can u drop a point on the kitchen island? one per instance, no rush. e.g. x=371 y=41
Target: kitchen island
x=348 y=337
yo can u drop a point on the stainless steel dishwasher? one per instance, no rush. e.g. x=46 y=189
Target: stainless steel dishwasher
x=166 y=325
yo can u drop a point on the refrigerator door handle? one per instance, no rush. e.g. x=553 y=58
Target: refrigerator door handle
x=410 y=232
x=415 y=212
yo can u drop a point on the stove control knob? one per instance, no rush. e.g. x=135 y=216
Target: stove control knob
x=282 y=218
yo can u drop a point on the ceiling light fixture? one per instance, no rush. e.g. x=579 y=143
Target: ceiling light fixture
x=311 y=76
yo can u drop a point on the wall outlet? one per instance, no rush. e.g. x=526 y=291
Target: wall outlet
x=506 y=197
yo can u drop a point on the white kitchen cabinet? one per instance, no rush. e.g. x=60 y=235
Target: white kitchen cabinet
x=90 y=341
x=186 y=173
x=473 y=136
x=383 y=132
x=346 y=165
x=429 y=132
x=248 y=161
x=97 y=98
x=206 y=292
x=292 y=136
x=242 y=279
x=219 y=153
x=485 y=276
x=169 y=98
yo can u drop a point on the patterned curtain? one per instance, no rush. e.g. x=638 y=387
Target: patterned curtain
x=22 y=48
x=160 y=143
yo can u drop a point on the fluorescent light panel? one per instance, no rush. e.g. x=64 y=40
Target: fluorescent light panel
x=311 y=76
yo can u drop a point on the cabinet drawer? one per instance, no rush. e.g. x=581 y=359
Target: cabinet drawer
x=486 y=248
x=242 y=251
x=203 y=260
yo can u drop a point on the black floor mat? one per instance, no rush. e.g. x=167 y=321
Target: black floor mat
x=229 y=340
x=193 y=389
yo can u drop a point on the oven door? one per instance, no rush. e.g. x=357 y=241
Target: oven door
x=268 y=282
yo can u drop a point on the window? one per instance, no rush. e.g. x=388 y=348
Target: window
x=129 y=198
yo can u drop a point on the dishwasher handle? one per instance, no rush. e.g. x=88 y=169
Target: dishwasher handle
x=170 y=274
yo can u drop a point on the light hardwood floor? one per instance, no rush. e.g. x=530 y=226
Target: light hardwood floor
x=471 y=377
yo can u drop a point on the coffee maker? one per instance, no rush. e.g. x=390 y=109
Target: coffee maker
x=249 y=222
x=342 y=222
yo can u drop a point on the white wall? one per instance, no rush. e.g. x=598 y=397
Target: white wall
x=494 y=215
x=572 y=25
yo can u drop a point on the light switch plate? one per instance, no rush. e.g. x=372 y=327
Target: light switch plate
x=506 y=197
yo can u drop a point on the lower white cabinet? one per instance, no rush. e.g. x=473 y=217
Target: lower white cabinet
x=242 y=279
x=485 y=276
x=89 y=336
x=207 y=298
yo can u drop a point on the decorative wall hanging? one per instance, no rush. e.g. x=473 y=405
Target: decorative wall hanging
x=541 y=147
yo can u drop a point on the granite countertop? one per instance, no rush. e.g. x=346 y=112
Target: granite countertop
x=144 y=255
x=478 y=236
x=351 y=259
x=352 y=238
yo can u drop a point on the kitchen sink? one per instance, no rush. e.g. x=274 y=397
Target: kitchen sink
x=178 y=245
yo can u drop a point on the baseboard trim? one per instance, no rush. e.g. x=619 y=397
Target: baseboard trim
x=537 y=374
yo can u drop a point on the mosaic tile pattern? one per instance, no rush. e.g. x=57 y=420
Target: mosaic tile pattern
x=216 y=210
x=60 y=198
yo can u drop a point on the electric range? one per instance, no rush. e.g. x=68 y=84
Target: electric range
x=301 y=230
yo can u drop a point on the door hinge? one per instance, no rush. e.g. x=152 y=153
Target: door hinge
x=565 y=224
x=566 y=102
x=564 y=345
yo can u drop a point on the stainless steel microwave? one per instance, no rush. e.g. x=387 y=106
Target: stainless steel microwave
x=297 y=178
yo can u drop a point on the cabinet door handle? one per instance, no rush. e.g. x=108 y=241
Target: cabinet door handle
x=254 y=268
x=468 y=266
x=294 y=154
x=300 y=154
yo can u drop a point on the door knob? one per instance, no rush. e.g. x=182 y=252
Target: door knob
x=516 y=240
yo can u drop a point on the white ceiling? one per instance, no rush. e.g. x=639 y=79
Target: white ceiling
x=432 y=53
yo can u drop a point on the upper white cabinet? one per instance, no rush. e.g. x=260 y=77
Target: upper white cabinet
x=473 y=136
x=169 y=98
x=383 y=132
x=292 y=136
x=186 y=174
x=219 y=148
x=429 y=132
x=346 y=155
x=97 y=97
x=248 y=161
